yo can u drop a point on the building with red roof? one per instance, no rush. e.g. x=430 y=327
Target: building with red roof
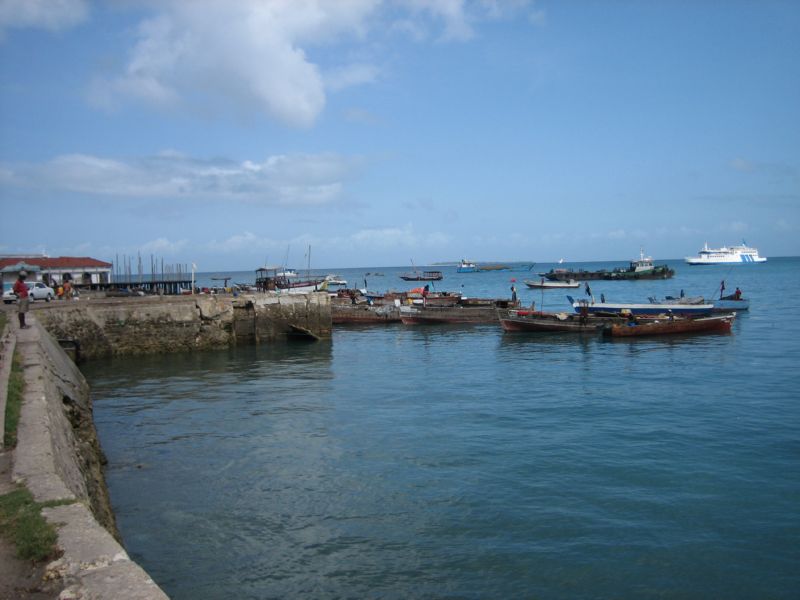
x=81 y=270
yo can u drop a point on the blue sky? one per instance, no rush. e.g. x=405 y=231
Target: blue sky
x=225 y=132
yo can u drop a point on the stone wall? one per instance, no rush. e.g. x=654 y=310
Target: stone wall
x=58 y=458
x=148 y=325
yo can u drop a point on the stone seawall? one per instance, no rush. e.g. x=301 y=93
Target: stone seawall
x=148 y=325
x=59 y=459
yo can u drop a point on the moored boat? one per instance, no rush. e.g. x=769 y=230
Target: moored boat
x=422 y=276
x=611 y=308
x=727 y=255
x=641 y=268
x=544 y=284
x=715 y=324
x=543 y=322
x=482 y=310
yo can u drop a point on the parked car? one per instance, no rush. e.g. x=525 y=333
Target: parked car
x=8 y=293
x=39 y=291
x=36 y=291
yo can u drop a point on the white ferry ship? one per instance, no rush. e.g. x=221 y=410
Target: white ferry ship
x=726 y=255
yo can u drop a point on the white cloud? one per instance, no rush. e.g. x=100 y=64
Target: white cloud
x=41 y=14
x=394 y=237
x=258 y=56
x=250 y=51
x=288 y=180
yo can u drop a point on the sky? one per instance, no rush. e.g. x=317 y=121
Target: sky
x=238 y=133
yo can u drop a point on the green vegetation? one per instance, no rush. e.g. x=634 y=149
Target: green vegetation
x=21 y=521
x=16 y=384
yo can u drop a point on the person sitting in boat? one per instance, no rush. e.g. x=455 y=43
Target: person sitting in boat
x=631 y=319
x=737 y=295
x=670 y=316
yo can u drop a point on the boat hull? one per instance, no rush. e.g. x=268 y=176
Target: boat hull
x=718 y=324
x=554 y=285
x=730 y=305
x=364 y=314
x=550 y=323
x=610 y=308
x=434 y=315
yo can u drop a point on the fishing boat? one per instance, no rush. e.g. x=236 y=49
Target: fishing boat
x=364 y=313
x=335 y=280
x=467 y=266
x=544 y=284
x=422 y=276
x=612 y=308
x=725 y=304
x=483 y=310
x=494 y=268
x=272 y=279
x=715 y=324
x=727 y=255
x=543 y=322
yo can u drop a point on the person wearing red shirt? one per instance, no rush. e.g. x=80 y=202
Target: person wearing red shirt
x=21 y=290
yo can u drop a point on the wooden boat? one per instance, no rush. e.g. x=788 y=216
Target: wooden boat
x=422 y=276
x=716 y=324
x=494 y=268
x=364 y=313
x=726 y=304
x=543 y=284
x=543 y=322
x=463 y=313
x=612 y=308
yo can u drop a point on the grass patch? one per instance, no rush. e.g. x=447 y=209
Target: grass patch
x=16 y=385
x=21 y=521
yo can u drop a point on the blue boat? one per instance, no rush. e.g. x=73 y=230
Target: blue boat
x=467 y=267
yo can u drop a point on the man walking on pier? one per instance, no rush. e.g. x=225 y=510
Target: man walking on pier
x=21 y=290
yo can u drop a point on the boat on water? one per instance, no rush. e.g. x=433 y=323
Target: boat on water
x=467 y=266
x=335 y=280
x=612 y=308
x=274 y=279
x=494 y=268
x=544 y=284
x=725 y=304
x=364 y=313
x=641 y=268
x=422 y=276
x=714 y=324
x=727 y=255
x=544 y=322
x=467 y=311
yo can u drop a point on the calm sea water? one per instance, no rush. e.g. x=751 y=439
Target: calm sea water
x=462 y=462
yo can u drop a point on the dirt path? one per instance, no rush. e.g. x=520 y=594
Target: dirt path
x=19 y=580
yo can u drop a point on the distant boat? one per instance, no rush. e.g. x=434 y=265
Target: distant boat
x=422 y=276
x=733 y=255
x=494 y=268
x=717 y=324
x=546 y=285
x=641 y=268
x=467 y=267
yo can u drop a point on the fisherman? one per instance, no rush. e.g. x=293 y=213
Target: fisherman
x=602 y=298
x=425 y=291
x=721 y=288
x=513 y=294
x=682 y=294
x=737 y=295
x=21 y=290
x=587 y=289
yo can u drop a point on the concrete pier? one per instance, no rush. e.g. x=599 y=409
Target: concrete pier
x=159 y=324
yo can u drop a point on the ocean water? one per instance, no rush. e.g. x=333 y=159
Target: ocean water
x=462 y=462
